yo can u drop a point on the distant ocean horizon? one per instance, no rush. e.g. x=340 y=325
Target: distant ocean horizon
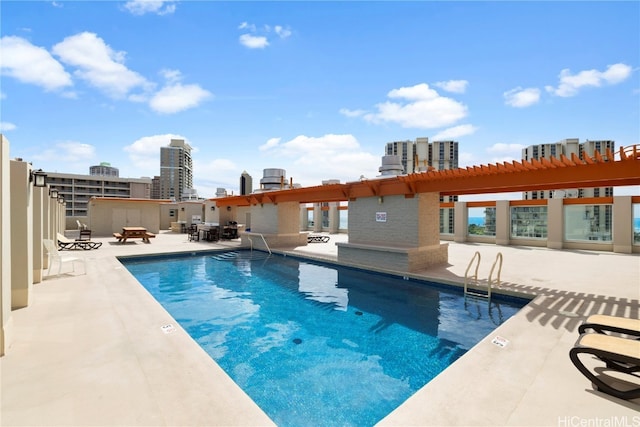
x=477 y=220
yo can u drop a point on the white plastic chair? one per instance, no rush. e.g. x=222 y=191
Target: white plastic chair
x=54 y=256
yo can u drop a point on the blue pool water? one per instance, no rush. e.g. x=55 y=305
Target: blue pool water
x=315 y=344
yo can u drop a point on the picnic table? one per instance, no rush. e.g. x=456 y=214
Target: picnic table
x=132 y=233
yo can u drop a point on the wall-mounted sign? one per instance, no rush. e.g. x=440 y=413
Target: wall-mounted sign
x=381 y=217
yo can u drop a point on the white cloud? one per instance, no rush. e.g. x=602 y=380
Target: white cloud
x=69 y=152
x=99 y=65
x=502 y=152
x=282 y=32
x=144 y=153
x=352 y=113
x=425 y=109
x=171 y=76
x=270 y=144
x=178 y=97
x=253 y=42
x=347 y=160
x=520 y=98
x=455 y=86
x=454 y=132
x=31 y=64
x=502 y=148
x=259 y=38
x=142 y=7
x=570 y=84
x=7 y=126
x=247 y=26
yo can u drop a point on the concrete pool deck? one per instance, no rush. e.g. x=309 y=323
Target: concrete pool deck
x=97 y=349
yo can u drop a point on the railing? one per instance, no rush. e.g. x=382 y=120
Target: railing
x=490 y=282
x=475 y=275
x=265 y=242
x=498 y=258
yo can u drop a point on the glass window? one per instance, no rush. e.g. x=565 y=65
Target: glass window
x=310 y=217
x=529 y=222
x=588 y=222
x=481 y=222
x=344 y=219
x=447 y=219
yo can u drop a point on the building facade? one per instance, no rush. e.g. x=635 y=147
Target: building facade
x=77 y=190
x=176 y=170
x=104 y=169
x=421 y=155
x=246 y=184
x=568 y=147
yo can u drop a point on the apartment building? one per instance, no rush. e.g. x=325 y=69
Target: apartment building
x=568 y=147
x=176 y=170
x=419 y=156
x=78 y=189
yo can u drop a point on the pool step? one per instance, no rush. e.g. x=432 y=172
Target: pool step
x=244 y=255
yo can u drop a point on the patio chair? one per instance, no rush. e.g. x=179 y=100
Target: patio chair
x=603 y=324
x=55 y=256
x=65 y=243
x=619 y=354
x=85 y=234
x=194 y=234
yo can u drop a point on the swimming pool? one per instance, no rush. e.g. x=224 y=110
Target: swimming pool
x=317 y=344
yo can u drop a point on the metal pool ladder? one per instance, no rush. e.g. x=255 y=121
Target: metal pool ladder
x=474 y=277
x=265 y=242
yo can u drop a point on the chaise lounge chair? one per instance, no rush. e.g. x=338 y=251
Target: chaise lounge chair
x=604 y=324
x=619 y=354
x=317 y=239
x=65 y=243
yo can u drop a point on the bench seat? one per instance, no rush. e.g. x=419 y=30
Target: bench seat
x=149 y=235
x=117 y=236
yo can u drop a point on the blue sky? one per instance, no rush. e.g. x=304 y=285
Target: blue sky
x=316 y=88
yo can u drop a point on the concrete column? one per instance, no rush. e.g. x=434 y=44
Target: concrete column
x=46 y=225
x=317 y=217
x=503 y=222
x=394 y=232
x=304 y=217
x=623 y=220
x=461 y=221
x=334 y=217
x=278 y=224
x=21 y=234
x=39 y=194
x=5 y=248
x=555 y=223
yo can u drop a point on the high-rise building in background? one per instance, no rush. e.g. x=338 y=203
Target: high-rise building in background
x=103 y=169
x=419 y=156
x=155 y=187
x=568 y=147
x=176 y=170
x=246 y=184
x=443 y=155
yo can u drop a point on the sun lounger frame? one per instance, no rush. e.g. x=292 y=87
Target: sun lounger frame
x=594 y=344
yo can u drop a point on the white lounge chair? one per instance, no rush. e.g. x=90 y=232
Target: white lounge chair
x=55 y=256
